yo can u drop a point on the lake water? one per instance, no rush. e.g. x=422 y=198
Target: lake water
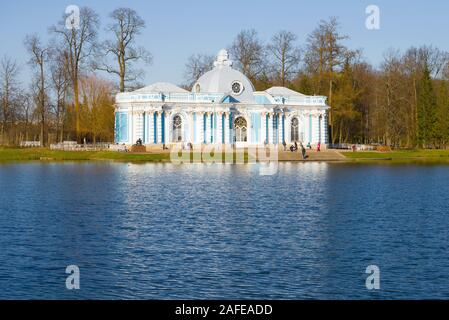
x=164 y=231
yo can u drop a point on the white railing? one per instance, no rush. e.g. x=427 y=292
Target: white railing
x=169 y=97
x=307 y=100
x=74 y=146
x=351 y=146
x=30 y=144
x=210 y=98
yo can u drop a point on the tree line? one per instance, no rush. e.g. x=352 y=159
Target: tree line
x=402 y=102
x=67 y=98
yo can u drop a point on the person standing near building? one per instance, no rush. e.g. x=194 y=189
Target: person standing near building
x=303 y=151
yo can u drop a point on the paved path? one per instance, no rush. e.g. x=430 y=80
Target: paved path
x=327 y=155
x=312 y=155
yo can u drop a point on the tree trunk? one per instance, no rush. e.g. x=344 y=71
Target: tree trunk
x=77 y=109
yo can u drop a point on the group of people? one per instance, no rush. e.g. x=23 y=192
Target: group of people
x=294 y=148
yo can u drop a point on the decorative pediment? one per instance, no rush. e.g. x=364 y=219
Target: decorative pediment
x=229 y=99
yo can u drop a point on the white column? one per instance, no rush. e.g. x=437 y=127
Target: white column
x=200 y=126
x=279 y=115
x=213 y=127
x=150 y=127
x=145 y=127
x=139 y=125
x=207 y=127
x=197 y=127
x=263 y=128
x=217 y=118
x=219 y=128
x=283 y=127
x=309 y=128
x=319 y=128
x=167 y=128
x=314 y=128
x=270 y=128
x=324 y=130
x=191 y=128
x=159 y=127
x=226 y=127
x=287 y=130
x=131 y=127
x=249 y=130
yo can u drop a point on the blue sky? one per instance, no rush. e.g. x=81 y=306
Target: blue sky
x=176 y=29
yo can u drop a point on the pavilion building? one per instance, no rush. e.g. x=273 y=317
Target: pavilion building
x=223 y=108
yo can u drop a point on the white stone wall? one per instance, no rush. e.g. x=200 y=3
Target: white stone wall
x=141 y=126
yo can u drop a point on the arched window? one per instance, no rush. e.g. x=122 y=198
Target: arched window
x=241 y=129
x=197 y=88
x=294 y=130
x=177 y=129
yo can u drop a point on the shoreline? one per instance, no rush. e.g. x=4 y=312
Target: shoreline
x=20 y=155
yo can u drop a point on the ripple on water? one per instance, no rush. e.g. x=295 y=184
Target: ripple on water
x=162 y=231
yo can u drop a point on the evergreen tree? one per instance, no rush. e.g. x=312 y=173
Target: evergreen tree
x=427 y=111
x=346 y=115
x=443 y=114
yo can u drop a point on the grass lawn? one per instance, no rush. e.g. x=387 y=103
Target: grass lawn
x=28 y=154
x=45 y=154
x=417 y=155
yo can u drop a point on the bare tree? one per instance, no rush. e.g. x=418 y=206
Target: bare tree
x=9 y=71
x=285 y=56
x=196 y=66
x=324 y=50
x=249 y=53
x=79 y=44
x=60 y=81
x=39 y=54
x=325 y=55
x=394 y=103
x=27 y=108
x=99 y=103
x=126 y=26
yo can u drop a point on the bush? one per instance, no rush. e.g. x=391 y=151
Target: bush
x=383 y=148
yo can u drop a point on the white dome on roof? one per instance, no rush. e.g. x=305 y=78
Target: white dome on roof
x=224 y=79
x=164 y=87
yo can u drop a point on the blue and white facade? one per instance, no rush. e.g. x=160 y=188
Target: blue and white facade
x=223 y=108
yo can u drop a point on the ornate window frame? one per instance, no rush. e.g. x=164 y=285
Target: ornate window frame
x=240 y=84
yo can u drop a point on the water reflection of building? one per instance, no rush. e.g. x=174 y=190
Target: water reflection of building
x=222 y=108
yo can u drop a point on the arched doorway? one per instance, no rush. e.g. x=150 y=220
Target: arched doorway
x=241 y=130
x=177 y=129
x=294 y=133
